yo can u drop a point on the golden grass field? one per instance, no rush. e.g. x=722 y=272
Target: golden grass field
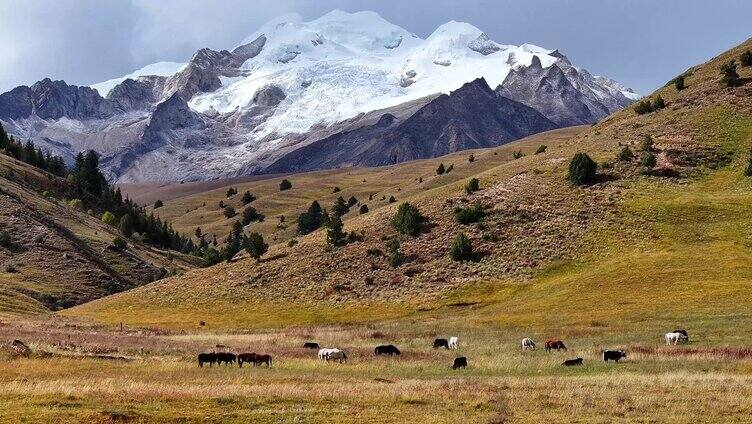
x=616 y=264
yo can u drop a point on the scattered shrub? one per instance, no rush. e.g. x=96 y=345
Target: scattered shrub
x=311 y=220
x=649 y=161
x=46 y=194
x=729 y=76
x=292 y=242
x=336 y=190
x=747 y=170
x=352 y=201
x=450 y=168
x=119 y=243
x=581 y=169
x=647 y=144
x=541 y=149
x=472 y=186
x=126 y=225
x=658 y=103
x=746 y=58
x=440 y=170
x=231 y=192
x=247 y=198
x=408 y=220
x=76 y=204
x=158 y=204
x=625 y=155
x=679 y=83
x=517 y=154
x=109 y=218
x=642 y=107
x=462 y=248
x=229 y=212
x=10 y=269
x=221 y=204
x=250 y=215
x=466 y=216
x=255 y=246
x=396 y=258
x=363 y=209
x=471 y=159
x=392 y=199
x=285 y=185
x=374 y=252
x=339 y=207
x=335 y=237
x=5 y=240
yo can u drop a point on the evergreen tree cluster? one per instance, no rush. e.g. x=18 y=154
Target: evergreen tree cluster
x=31 y=154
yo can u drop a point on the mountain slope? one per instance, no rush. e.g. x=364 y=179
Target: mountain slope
x=550 y=255
x=290 y=84
x=59 y=256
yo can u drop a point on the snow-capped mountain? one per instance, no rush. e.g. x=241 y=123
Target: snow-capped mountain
x=294 y=84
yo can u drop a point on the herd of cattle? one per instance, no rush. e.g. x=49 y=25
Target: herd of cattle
x=335 y=354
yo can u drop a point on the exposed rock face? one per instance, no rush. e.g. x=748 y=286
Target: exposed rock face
x=473 y=116
x=49 y=99
x=270 y=95
x=138 y=94
x=561 y=92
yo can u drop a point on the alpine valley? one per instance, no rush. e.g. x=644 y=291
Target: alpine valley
x=346 y=89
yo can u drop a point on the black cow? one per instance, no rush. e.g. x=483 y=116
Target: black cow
x=247 y=358
x=310 y=345
x=441 y=343
x=572 y=362
x=206 y=358
x=683 y=332
x=387 y=350
x=613 y=355
x=460 y=362
x=225 y=357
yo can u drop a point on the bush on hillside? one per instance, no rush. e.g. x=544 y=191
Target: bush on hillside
x=642 y=107
x=5 y=240
x=119 y=243
x=335 y=237
x=363 y=209
x=76 y=204
x=472 y=186
x=392 y=199
x=625 y=155
x=440 y=170
x=729 y=76
x=250 y=215
x=340 y=207
x=109 y=218
x=647 y=144
x=396 y=258
x=311 y=220
x=247 y=198
x=285 y=185
x=746 y=58
x=462 y=248
x=126 y=225
x=408 y=220
x=336 y=190
x=581 y=169
x=659 y=103
x=541 y=149
x=229 y=212
x=352 y=201
x=517 y=154
x=471 y=159
x=748 y=169
x=231 y=192
x=649 y=161
x=466 y=216
x=158 y=204
x=679 y=83
x=255 y=246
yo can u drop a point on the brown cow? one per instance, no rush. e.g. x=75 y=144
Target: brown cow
x=247 y=357
x=263 y=359
x=554 y=344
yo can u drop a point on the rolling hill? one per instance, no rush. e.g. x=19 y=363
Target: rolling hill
x=58 y=256
x=669 y=243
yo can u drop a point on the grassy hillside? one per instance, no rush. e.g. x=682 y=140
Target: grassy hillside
x=59 y=256
x=551 y=254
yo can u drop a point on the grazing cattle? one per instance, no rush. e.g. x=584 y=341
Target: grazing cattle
x=440 y=343
x=454 y=343
x=263 y=359
x=247 y=357
x=613 y=355
x=528 y=343
x=206 y=358
x=676 y=338
x=683 y=332
x=310 y=345
x=387 y=350
x=225 y=357
x=572 y=362
x=336 y=354
x=554 y=345
x=323 y=353
x=460 y=362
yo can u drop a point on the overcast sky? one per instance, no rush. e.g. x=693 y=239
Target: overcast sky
x=641 y=43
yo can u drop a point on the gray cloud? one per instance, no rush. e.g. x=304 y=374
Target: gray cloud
x=641 y=43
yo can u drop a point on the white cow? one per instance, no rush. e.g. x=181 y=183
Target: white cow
x=324 y=353
x=454 y=343
x=675 y=338
x=528 y=343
